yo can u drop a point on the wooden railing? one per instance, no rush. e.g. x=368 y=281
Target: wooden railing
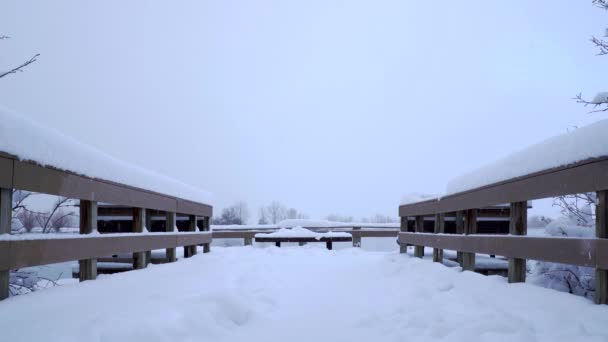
x=22 y=251
x=586 y=176
x=357 y=232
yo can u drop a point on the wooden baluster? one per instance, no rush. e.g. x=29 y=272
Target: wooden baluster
x=356 y=237
x=459 y=221
x=518 y=225
x=148 y=228
x=439 y=229
x=6 y=215
x=88 y=225
x=470 y=227
x=170 y=254
x=206 y=228
x=139 y=221
x=601 y=232
x=403 y=229
x=248 y=241
x=419 y=250
x=190 y=251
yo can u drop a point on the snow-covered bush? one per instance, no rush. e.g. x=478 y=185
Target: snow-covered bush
x=577 y=280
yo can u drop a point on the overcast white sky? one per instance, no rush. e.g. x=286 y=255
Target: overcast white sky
x=327 y=106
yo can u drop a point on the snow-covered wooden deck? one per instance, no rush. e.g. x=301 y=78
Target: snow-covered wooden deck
x=301 y=294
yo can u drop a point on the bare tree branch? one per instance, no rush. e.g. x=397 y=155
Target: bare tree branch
x=20 y=67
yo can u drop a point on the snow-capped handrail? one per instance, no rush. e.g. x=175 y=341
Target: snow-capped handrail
x=584 y=176
x=32 y=176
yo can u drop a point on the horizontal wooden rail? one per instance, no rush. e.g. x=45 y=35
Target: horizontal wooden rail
x=585 y=176
x=17 y=253
x=588 y=252
x=24 y=175
x=356 y=232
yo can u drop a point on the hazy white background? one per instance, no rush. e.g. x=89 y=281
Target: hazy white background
x=327 y=106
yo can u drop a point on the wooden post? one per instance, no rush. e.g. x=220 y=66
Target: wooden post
x=88 y=225
x=403 y=228
x=248 y=241
x=459 y=220
x=148 y=228
x=601 y=232
x=518 y=225
x=329 y=245
x=170 y=227
x=206 y=228
x=6 y=216
x=468 y=259
x=301 y=243
x=356 y=237
x=139 y=221
x=419 y=250
x=278 y=244
x=439 y=229
x=190 y=251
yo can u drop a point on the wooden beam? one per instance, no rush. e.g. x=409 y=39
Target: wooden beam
x=518 y=225
x=148 y=227
x=88 y=225
x=601 y=232
x=206 y=228
x=459 y=230
x=170 y=227
x=248 y=241
x=439 y=229
x=419 y=250
x=139 y=221
x=403 y=228
x=356 y=238
x=470 y=227
x=584 y=176
x=6 y=215
x=190 y=251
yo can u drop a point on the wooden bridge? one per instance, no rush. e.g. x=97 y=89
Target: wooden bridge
x=464 y=208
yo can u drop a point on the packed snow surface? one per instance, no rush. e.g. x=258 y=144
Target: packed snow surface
x=297 y=232
x=301 y=294
x=579 y=144
x=28 y=140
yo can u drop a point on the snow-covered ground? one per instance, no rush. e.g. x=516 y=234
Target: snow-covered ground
x=301 y=294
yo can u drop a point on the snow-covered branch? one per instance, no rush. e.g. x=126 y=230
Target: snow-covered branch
x=600 y=100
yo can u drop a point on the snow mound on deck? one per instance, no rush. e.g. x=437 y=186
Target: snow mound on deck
x=28 y=140
x=298 y=232
x=582 y=143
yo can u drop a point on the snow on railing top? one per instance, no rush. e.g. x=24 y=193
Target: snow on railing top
x=415 y=197
x=30 y=141
x=577 y=145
